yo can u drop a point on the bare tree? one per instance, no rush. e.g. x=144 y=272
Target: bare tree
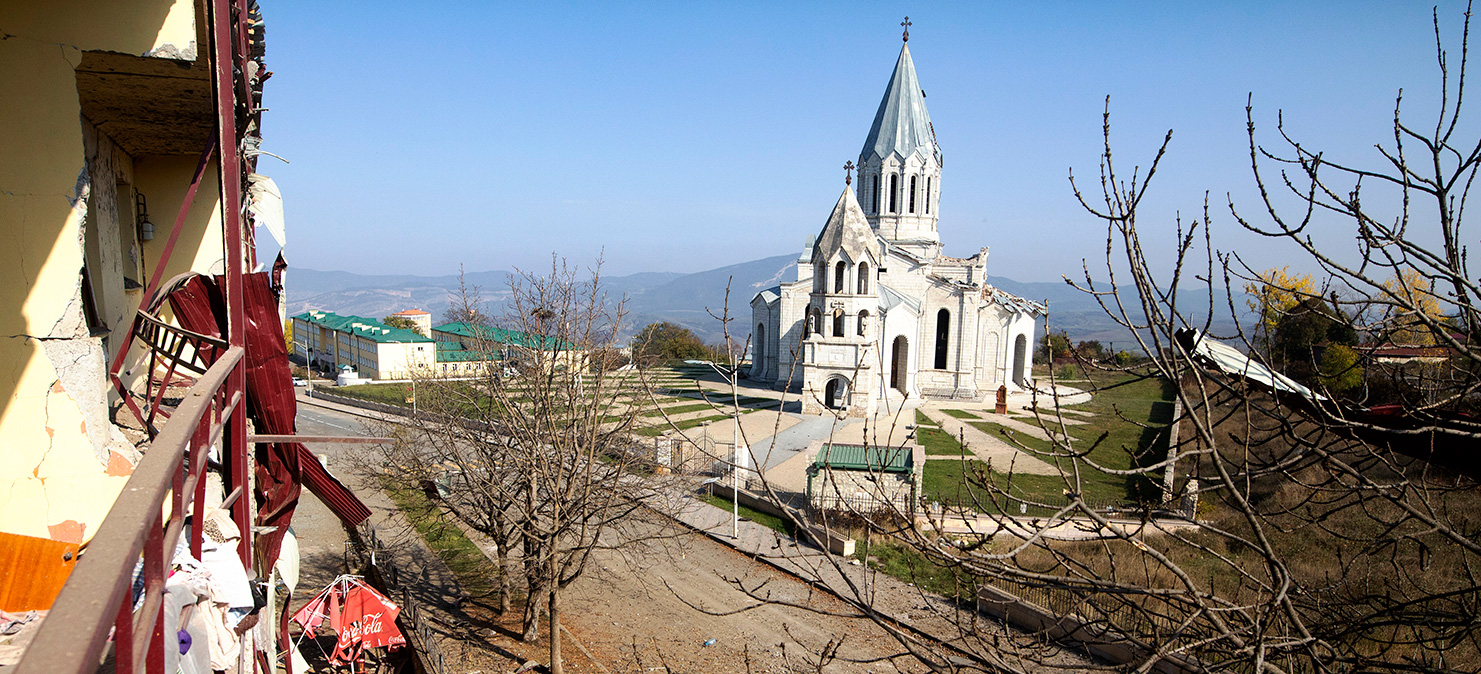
x=1296 y=530
x=526 y=443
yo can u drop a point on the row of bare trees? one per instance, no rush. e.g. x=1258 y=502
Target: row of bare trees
x=528 y=445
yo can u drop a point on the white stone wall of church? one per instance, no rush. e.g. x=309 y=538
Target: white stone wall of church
x=790 y=321
x=902 y=224
x=1022 y=325
x=992 y=368
x=763 y=349
x=943 y=381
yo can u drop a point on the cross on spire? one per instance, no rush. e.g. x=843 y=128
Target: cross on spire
x=906 y=23
x=848 y=173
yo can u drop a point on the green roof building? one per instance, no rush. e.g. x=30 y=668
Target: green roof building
x=865 y=480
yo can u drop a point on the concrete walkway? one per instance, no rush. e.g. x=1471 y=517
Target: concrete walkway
x=1003 y=456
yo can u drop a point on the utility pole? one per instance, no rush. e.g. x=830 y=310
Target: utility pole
x=735 y=475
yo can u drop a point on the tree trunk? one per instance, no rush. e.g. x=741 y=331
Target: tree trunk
x=532 y=614
x=534 y=592
x=506 y=583
x=556 y=667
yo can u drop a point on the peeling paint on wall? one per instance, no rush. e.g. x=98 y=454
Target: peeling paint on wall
x=82 y=369
x=170 y=51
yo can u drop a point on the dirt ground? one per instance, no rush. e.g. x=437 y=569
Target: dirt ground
x=663 y=609
x=649 y=610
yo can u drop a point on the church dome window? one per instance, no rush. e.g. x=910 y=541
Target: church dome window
x=838 y=323
x=840 y=273
x=863 y=278
x=928 y=195
x=894 y=193
x=874 y=206
x=911 y=201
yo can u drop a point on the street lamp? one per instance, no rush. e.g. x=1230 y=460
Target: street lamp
x=737 y=459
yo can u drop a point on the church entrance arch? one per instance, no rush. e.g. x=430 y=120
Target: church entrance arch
x=899 y=361
x=1020 y=354
x=835 y=393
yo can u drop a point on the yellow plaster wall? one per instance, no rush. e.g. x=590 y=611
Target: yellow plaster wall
x=164 y=181
x=138 y=27
x=49 y=473
x=52 y=483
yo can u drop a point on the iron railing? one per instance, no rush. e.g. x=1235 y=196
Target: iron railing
x=97 y=596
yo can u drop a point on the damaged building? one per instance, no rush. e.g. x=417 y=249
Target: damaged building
x=139 y=386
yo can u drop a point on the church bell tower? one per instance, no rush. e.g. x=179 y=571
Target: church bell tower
x=900 y=165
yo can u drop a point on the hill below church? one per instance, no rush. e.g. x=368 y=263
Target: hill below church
x=685 y=299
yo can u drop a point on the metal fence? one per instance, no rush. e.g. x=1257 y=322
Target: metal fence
x=413 y=617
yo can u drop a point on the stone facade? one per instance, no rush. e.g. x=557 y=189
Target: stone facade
x=876 y=313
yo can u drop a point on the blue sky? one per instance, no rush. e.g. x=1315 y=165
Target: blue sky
x=687 y=136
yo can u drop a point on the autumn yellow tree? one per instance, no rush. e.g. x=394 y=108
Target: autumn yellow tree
x=1275 y=291
x=1411 y=313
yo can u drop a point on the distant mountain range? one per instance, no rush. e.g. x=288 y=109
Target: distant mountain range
x=685 y=299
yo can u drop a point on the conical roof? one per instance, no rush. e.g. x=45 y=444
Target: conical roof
x=847 y=228
x=902 y=124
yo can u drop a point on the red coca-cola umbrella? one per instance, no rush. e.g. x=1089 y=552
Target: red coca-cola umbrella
x=361 y=618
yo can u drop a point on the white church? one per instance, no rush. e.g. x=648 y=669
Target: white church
x=877 y=314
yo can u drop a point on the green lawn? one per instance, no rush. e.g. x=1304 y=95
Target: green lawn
x=756 y=516
x=938 y=442
x=964 y=485
x=477 y=574
x=388 y=394
x=961 y=414
x=654 y=431
x=922 y=420
x=1117 y=412
x=680 y=409
x=1124 y=445
x=947 y=483
x=908 y=564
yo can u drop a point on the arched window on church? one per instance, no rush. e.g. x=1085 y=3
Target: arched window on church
x=838 y=323
x=874 y=207
x=807 y=323
x=943 y=337
x=758 y=359
x=863 y=278
x=839 y=272
x=911 y=200
x=928 y=195
x=894 y=193
x=863 y=323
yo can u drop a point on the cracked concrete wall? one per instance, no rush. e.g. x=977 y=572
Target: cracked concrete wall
x=62 y=461
x=153 y=28
x=106 y=251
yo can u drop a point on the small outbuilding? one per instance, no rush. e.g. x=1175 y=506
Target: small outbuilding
x=864 y=480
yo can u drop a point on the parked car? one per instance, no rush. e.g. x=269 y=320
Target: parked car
x=300 y=381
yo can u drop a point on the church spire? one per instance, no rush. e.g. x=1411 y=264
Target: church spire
x=901 y=125
x=900 y=164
